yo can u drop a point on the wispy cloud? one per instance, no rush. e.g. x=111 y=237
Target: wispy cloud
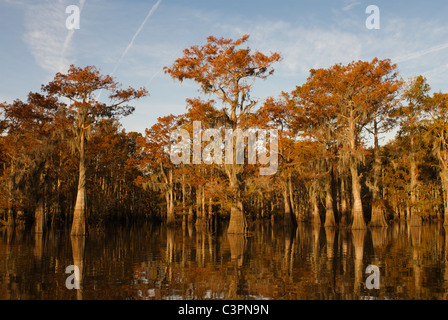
x=13 y=2
x=421 y=53
x=70 y=33
x=47 y=36
x=304 y=47
x=349 y=4
x=170 y=59
x=45 y=25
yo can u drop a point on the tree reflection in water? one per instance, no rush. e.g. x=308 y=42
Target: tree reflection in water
x=155 y=262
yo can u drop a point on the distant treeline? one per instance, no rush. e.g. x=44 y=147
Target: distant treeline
x=66 y=159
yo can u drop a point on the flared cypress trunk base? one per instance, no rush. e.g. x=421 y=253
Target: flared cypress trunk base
x=10 y=222
x=238 y=223
x=378 y=220
x=170 y=219
x=358 y=221
x=315 y=219
x=79 y=223
x=416 y=220
x=39 y=224
x=330 y=221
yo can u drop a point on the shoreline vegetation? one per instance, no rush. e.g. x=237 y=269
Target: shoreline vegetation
x=66 y=160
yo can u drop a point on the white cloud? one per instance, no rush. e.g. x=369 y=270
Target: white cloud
x=349 y=4
x=421 y=53
x=302 y=47
x=46 y=34
x=415 y=46
x=13 y=2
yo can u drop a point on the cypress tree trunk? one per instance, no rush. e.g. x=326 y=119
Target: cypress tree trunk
x=291 y=201
x=210 y=207
x=343 y=190
x=79 y=215
x=288 y=217
x=39 y=216
x=10 y=212
x=286 y=203
x=413 y=183
x=444 y=178
x=357 y=210
x=190 y=207
x=238 y=223
x=171 y=219
x=358 y=214
x=315 y=216
x=184 y=194
x=378 y=218
x=344 y=201
x=416 y=220
x=190 y=214
x=204 y=212
x=445 y=197
x=329 y=212
x=198 y=205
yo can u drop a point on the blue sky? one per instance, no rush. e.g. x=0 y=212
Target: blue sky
x=35 y=44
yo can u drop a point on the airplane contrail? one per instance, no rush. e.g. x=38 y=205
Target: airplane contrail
x=154 y=8
x=418 y=54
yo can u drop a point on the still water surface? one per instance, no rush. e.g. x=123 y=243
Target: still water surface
x=153 y=262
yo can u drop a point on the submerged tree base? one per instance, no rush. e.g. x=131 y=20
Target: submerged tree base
x=79 y=224
x=416 y=220
x=329 y=219
x=378 y=220
x=39 y=224
x=358 y=222
x=315 y=217
x=238 y=223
